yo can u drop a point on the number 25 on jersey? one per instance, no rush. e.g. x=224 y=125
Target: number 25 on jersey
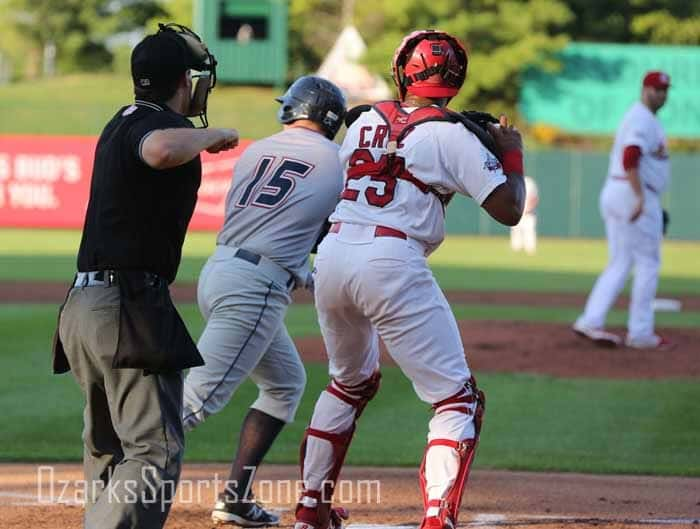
x=382 y=174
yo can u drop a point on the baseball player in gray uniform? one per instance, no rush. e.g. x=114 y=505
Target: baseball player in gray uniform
x=284 y=188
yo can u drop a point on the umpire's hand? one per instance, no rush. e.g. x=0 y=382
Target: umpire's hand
x=228 y=140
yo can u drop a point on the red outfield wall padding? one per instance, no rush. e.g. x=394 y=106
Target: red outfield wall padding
x=45 y=182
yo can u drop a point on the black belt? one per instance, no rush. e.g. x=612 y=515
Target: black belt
x=246 y=255
x=254 y=259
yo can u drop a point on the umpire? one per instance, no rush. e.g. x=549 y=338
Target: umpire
x=118 y=330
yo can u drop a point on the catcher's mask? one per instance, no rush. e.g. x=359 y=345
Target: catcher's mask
x=315 y=99
x=429 y=63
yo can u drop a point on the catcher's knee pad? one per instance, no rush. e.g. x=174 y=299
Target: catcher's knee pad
x=452 y=458
x=314 y=507
x=357 y=395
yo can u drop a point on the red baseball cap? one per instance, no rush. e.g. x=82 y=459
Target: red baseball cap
x=657 y=79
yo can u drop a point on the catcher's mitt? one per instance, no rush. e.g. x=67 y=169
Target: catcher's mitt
x=477 y=122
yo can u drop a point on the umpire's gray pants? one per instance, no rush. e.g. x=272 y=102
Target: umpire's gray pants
x=244 y=306
x=133 y=437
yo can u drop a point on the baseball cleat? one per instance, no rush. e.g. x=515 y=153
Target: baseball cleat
x=337 y=516
x=436 y=522
x=597 y=336
x=656 y=342
x=243 y=514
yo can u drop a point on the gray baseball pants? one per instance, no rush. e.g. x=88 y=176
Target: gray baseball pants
x=133 y=437
x=244 y=305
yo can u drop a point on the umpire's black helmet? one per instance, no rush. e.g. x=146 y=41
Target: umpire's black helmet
x=315 y=99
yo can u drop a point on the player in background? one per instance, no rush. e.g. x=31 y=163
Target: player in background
x=630 y=204
x=283 y=190
x=403 y=161
x=523 y=236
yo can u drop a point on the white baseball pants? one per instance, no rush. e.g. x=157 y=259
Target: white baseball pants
x=631 y=245
x=367 y=287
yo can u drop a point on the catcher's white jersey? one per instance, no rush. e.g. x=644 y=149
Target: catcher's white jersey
x=642 y=128
x=431 y=156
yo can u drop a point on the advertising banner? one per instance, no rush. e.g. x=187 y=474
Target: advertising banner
x=45 y=182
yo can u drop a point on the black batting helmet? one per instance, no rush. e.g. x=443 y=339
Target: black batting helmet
x=315 y=99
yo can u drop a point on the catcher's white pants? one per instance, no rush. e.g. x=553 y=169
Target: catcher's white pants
x=367 y=287
x=630 y=245
x=523 y=236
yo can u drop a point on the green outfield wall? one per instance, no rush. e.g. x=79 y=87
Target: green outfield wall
x=569 y=185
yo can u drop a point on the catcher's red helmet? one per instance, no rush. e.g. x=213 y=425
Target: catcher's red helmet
x=429 y=63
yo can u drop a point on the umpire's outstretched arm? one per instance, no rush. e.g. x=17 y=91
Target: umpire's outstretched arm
x=166 y=148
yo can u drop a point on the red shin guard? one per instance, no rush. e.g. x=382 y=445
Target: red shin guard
x=314 y=507
x=450 y=503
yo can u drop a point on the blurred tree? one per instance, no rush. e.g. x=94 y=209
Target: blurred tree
x=16 y=58
x=639 y=21
x=503 y=38
x=313 y=27
x=178 y=11
x=75 y=31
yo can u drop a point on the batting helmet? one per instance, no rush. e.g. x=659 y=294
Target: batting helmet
x=315 y=99
x=429 y=63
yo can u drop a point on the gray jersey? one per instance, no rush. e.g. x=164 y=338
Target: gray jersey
x=284 y=188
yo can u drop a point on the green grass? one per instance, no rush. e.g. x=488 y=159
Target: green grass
x=462 y=262
x=598 y=426
x=82 y=105
x=533 y=422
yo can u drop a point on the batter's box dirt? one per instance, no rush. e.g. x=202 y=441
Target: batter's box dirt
x=493 y=498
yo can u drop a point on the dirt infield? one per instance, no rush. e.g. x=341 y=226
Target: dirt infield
x=54 y=292
x=389 y=497
x=553 y=349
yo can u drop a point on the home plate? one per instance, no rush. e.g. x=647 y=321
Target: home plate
x=499 y=520
x=378 y=526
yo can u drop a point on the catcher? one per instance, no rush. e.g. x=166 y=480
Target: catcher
x=403 y=161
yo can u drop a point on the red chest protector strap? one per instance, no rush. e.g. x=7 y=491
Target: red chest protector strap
x=401 y=124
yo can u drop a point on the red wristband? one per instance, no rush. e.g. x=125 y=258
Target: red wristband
x=513 y=162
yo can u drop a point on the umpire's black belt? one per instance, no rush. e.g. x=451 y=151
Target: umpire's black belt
x=108 y=278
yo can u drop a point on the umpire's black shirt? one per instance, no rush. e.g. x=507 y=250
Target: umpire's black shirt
x=137 y=216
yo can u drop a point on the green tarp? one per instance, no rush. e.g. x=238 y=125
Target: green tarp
x=598 y=83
